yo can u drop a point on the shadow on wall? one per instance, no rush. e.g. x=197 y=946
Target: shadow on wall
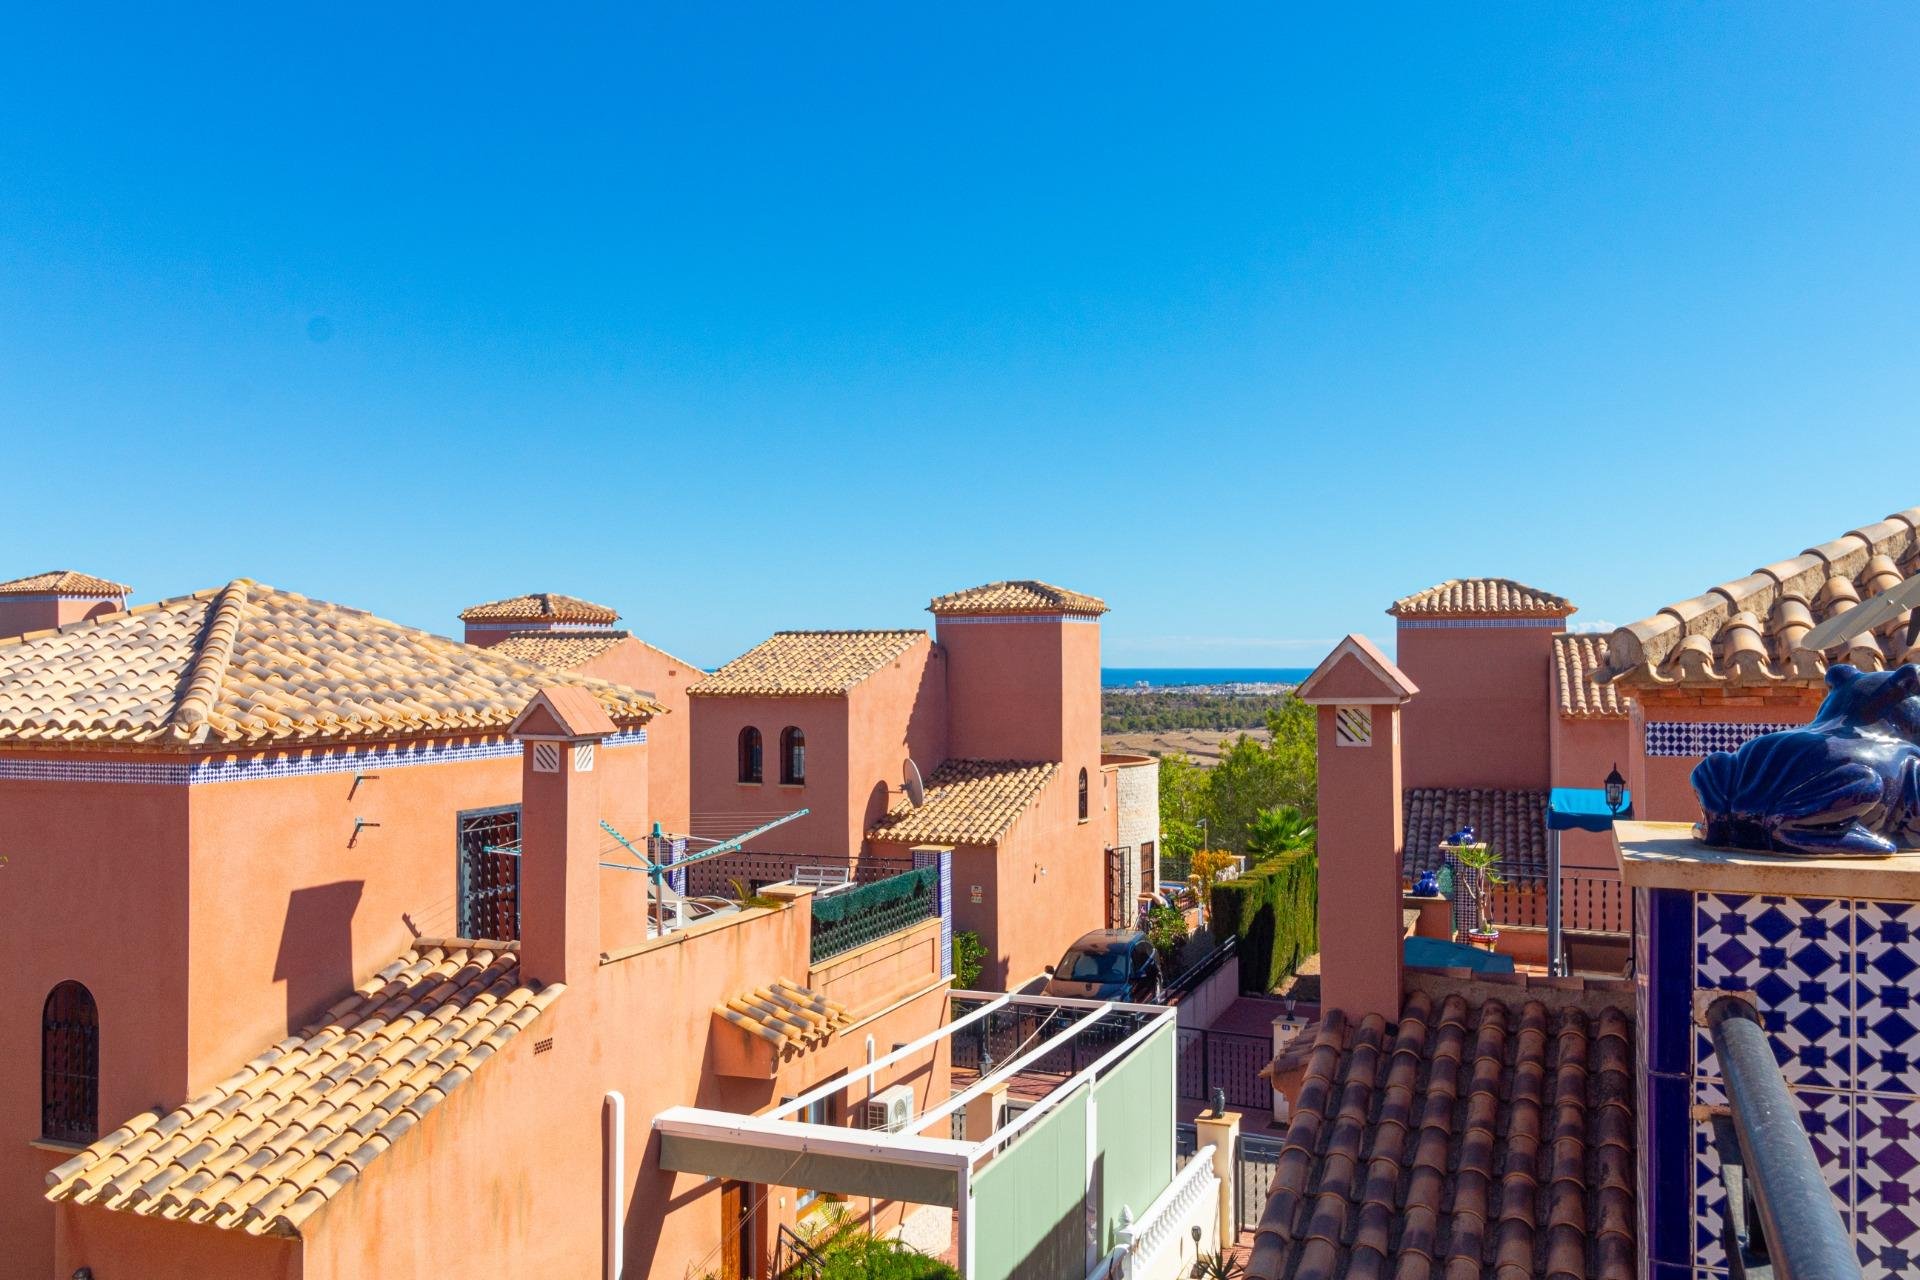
x=316 y=949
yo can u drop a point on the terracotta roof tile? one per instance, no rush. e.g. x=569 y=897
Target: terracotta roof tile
x=63 y=582
x=562 y=649
x=786 y=1014
x=968 y=802
x=1021 y=595
x=252 y=665
x=268 y=1146
x=807 y=664
x=1748 y=631
x=1514 y=823
x=1577 y=656
x=1482 y=598
x=540 y=606
x=1477 y=1204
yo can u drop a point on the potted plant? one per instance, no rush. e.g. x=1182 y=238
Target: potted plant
x=1479 y=873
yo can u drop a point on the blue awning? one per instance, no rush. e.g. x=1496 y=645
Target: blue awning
x=1583 y=809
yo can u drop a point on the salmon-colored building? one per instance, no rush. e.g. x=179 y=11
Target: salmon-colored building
x=1506 y=713
x=570 y=634
x=321 y=963
x=54 y=599
x=977 y=746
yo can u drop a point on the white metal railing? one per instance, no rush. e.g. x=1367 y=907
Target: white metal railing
x=1159 y=1245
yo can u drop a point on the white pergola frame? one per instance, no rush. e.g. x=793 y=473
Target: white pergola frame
x=934 y=1171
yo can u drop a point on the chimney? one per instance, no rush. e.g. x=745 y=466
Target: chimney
x=560 y=730
x=45 y=600
x=1357 y=695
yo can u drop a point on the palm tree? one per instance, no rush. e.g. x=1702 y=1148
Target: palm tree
x=1279 y=830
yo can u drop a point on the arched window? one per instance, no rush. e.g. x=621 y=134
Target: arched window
x=793 y=756
x=749 y=754
x=1083 y=795
x=70 y=1065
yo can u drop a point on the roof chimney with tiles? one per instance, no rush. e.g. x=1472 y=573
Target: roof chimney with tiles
x=541 y=611
x=1357 y=695
x=560 y=730
x=42 y=601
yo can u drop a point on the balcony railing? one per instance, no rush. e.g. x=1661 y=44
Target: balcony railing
x=1596 y=904
x=854 y=917
x=1780 y=1221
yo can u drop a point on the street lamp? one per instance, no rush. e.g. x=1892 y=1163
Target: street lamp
x=1616 y=791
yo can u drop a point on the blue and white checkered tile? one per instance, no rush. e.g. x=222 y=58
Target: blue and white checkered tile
x=1701 y=737
x=1886 y=1011
x=1795 y=955
x=1828 y=1118
x=1886 y=1184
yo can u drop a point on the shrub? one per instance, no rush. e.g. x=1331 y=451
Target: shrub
x=1274 y=910
x=1166 y=931
x=969 y=958
x=864 y=1258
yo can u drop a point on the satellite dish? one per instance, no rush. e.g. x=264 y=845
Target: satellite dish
x=1868 y=614
x=915 y=788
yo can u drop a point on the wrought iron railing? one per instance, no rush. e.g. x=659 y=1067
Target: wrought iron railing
x=1184 y=983
x=1780 y=1220
x=854 y=917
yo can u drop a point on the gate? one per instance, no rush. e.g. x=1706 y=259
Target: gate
x=1254 y=1161
x=1208 y=1060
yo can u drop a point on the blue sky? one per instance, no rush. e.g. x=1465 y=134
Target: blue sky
x=740 y=317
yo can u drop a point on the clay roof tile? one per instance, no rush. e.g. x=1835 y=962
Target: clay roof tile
x=1485 y=1191
x=266 y=1147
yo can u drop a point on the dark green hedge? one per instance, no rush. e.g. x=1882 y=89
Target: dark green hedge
x=1274 y=909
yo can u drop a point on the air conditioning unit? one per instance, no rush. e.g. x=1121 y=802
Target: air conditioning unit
x=891 y=1110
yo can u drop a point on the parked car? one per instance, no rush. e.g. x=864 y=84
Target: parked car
x=1108 y=964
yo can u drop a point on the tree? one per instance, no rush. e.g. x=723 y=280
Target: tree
x=1295 y=748
x=1282 y=829
x=1183 y=789
x=1248 y=778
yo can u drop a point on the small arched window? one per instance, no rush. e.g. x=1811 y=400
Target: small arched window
x=1083 y=795
x=793 y=756
x=70 y=1065
x=750 y=754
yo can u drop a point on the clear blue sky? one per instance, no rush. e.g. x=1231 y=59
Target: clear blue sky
x=741 y=317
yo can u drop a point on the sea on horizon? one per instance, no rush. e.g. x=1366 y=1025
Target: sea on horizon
x=1181 y=677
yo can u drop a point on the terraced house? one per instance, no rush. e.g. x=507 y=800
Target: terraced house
x=975 y=748
x=322 y=962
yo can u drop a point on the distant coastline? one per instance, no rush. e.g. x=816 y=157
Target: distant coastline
x=1192 y=677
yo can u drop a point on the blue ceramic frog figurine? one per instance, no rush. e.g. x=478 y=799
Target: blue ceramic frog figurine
x=1847 y=785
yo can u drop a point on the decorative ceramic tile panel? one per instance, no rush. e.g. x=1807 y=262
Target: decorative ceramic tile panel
x=1796 y=956
x=1886 y=1024
x=1886 y=1199
x=1702 y=737
x=1828 y=1117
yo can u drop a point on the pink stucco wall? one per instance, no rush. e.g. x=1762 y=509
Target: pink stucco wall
x=856 y=744
x=211 y=920
x=1481 y=719
x=21 y=614
x=639 y=665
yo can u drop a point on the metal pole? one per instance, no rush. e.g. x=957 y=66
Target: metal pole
x=1556 y=960
x=1805 y=1236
